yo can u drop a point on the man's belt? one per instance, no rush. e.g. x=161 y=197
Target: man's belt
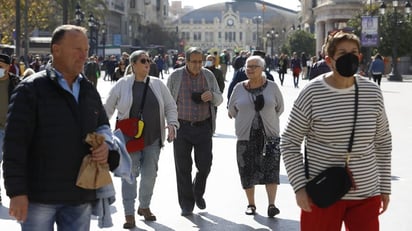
x=195 y=123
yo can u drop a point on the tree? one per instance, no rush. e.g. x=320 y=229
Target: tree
x=43 y=15
x=301 y=41
x=390 y=31
x=38 y=13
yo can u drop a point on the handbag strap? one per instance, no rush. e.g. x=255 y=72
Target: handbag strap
x=352 y=136
x=140 y=112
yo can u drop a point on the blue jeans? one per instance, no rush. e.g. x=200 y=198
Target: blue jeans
x=41 y=217
x=145 y=162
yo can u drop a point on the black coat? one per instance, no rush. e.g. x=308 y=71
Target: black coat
x=44 y=139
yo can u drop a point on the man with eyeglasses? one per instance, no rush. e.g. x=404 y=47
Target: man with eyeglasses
x=196 y=93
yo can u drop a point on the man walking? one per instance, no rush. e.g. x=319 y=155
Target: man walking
x=196 y=93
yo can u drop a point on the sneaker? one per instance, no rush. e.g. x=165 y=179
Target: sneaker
x=250 y=210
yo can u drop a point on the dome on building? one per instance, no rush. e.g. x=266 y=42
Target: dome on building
x=240 y=24
x=245 y=9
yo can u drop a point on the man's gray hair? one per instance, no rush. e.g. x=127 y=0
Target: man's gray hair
x=193 y=50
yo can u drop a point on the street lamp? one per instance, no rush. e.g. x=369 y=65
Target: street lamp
x=104 y=28
x=395 y=22
x=257 y=20
x=79 y=14
x=96 y=38
x=91 y=23
x=272 y=34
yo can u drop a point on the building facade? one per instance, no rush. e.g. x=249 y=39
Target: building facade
x=234 y=25
x=323 y=16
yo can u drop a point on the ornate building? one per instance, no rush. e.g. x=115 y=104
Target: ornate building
x=241 y=24
x=322 y=16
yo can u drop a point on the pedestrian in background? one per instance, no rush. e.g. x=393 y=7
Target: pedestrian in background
x=224 y=61
x=196 y=93
x=15 y=67
x=323 y=115
x=120 y=70
x=256 y=104
x=296 y=68
x=210 y=59
x=92 y=70
x=319 y=67
x=126 y=97
x=377 y=69
x=111 y=65
x=160 y=63
x=282 y=67
x=8 y=81
x=304 y=64
x=50 y=115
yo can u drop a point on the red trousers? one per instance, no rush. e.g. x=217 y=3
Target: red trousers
x=358 y=215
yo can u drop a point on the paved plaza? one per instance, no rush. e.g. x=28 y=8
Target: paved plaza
x=225 y=198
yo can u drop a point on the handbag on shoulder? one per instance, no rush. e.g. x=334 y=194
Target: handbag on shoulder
x=132 y=128
x=333 y=183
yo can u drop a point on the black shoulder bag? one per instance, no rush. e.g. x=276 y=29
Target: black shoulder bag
x=332 y=184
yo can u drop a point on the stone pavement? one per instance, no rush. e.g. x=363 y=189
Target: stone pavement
x=226 y=200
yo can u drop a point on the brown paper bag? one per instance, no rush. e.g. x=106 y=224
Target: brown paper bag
x=91 y=174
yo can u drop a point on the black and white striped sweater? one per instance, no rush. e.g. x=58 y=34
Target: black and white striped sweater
x=324 y=116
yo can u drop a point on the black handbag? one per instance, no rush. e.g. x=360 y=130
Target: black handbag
x=333 y=183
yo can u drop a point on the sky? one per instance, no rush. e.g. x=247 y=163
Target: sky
x=290 y=4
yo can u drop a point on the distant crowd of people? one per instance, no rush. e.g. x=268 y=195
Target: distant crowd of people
x=46 y=119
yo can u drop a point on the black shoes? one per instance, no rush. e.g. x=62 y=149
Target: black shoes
x=201 y=203
x=250 y=210
x=186 y=212
x=273 y=211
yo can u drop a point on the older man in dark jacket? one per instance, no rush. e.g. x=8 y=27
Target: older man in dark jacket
x=50 y=115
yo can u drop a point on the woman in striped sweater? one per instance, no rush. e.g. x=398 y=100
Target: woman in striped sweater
x=323 y=115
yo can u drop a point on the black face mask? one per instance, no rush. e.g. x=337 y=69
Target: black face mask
x=347 y=65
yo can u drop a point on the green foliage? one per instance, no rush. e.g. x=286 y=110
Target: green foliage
x=38 y=13
x=44 y=15
x=301 y=41
x=393 y=28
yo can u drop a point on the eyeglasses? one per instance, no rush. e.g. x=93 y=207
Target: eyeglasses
x=144 y=61
x=253 y=67
x=196 y=61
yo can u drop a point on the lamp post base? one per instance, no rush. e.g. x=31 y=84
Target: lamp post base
x=395 y=77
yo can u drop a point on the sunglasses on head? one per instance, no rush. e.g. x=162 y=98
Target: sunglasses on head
x=144 y=61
